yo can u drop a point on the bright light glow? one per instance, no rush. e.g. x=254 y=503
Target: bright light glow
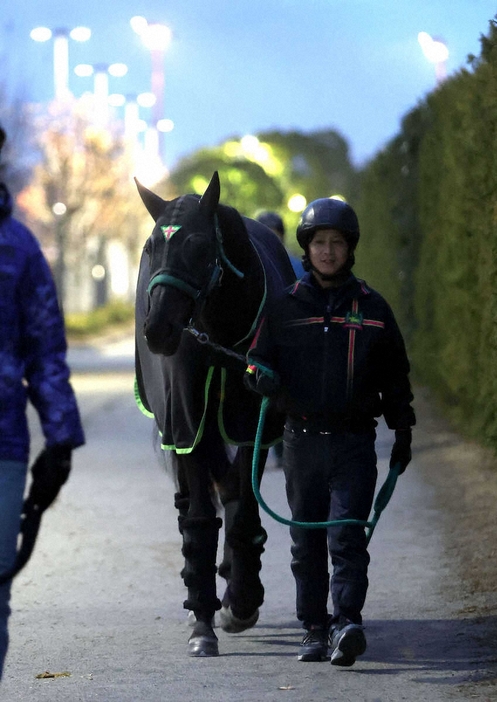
x=165 y=125
x=338 y=197
x=138 y=24
x=156 y=37
x=296 y=203
x=141 y=125
x=59 y=209
x=117 y=100
x=80 y=33
x=434 y=50
x=41 y=34
x=83 y=70
x=250 y=143
x=98 y=272
x=146 y=99
x=118 y=70
x=260 y=153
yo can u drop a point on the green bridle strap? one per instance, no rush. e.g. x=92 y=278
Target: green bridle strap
x=166 y=279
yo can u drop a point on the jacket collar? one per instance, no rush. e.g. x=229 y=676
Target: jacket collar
x=307 y=288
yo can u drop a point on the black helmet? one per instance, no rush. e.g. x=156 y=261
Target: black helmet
x=273 y=221
x=328 y=213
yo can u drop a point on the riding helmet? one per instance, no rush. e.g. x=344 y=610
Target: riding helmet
x=328 y=213
x=273 y=221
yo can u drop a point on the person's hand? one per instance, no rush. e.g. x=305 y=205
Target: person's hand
x=401 y=449
x=50 y=471
x=259 y=381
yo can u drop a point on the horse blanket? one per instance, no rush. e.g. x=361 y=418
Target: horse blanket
x=180 y=387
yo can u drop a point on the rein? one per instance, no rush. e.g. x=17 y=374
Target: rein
x=381 y=500
x=203 y=338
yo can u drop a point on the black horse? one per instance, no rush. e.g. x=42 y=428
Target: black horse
x=205 y=276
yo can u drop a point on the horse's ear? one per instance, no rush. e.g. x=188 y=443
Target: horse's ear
x=154 y=204
x=210 y=199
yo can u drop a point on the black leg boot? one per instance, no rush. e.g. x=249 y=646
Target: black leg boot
x=245 y=592
x=230 y=510
x=200 y=540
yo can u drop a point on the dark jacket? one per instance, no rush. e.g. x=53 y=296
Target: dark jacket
x=32 y=345
x=340 y=356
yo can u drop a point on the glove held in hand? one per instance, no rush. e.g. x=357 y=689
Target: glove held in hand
x=401 y=450
x=50 y=471
x=258 y=381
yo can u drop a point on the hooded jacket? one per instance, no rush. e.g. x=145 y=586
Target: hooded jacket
x=340 y=356
x=32 y=345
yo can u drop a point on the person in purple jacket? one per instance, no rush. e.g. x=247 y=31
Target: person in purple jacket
x=32 y=367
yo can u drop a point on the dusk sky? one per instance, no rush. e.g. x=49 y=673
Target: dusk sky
x=237 y=67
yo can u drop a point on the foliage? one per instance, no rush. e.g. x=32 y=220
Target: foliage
x=262 y=172
x=88 y=171
x=83 y=324
x=428 y=208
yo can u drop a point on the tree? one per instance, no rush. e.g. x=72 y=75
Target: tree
x=81 y=194
x=265 y=171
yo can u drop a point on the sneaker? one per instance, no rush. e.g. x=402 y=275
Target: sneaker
x=314 y=646
x=347 y=643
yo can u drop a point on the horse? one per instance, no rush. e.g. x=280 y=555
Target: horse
x=205 y=276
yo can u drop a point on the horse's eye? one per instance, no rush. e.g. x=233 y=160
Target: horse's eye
x=196 y=250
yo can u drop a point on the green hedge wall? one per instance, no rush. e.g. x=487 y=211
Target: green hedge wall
x=428 y=213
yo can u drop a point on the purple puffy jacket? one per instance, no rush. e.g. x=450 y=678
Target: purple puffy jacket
x=32 y=345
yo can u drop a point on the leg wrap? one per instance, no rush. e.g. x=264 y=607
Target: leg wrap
x=182 y=503
x=230 y=510
x=200 y=539
x=245 y=592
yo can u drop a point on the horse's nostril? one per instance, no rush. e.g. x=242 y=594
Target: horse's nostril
x=162 y=338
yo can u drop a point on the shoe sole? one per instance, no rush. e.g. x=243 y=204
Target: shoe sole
x=351 y=645
x=313 y=657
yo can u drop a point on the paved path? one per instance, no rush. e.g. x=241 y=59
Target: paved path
x=102 y=597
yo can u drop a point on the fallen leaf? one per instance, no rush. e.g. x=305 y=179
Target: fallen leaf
x=48 y=674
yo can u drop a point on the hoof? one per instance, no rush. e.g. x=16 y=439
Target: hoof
x=232 y=624
x=203 y=641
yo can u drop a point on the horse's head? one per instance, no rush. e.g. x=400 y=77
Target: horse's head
x=185 y=251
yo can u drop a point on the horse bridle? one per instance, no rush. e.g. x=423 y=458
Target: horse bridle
x=199 y=295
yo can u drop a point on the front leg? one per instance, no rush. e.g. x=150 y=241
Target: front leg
x=246 y=538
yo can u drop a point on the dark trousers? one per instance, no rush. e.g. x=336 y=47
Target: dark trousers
x=329 y=476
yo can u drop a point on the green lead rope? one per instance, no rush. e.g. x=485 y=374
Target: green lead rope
x=381 y=501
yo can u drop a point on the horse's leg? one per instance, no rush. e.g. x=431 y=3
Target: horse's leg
x=246 y=538
x=200 y=529
x=229 y=493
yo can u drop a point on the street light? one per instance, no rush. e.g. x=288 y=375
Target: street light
x=436 y=51
x=60 y=53
x=156 y=37
x=101 y=73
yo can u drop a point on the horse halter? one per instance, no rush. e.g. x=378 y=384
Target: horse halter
x=199 y=295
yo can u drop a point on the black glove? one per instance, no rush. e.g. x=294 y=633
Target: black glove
x=257 y=380
x=401 y=450
x=50 y=471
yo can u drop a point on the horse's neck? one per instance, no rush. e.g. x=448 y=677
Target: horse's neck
x=234 y=306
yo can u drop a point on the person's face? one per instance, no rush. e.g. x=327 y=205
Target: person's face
x=328 y=252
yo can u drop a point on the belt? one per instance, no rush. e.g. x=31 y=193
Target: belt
x=317 y=425
x=327 y=425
